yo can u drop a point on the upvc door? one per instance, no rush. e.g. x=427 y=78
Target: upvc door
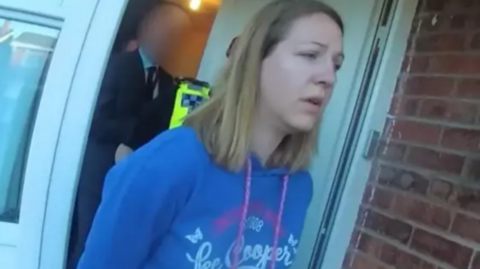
x=97 y=42
x=378 y=84
x=40 y=44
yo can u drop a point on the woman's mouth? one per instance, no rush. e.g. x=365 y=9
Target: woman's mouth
x=313 y=104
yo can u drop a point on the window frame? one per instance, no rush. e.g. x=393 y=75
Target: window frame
x=36 y=8
x=73 y=22
x=10 y=232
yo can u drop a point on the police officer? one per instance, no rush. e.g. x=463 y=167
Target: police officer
x=132 y=107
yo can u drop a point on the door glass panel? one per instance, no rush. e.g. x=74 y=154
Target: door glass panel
x=25 y=52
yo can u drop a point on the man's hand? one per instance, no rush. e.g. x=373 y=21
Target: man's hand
x=122 y=152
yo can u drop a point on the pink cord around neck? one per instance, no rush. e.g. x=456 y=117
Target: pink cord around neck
x=246 y=204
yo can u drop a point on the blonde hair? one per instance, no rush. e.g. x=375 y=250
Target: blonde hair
x=224 y=122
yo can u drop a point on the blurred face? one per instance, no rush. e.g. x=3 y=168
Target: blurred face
x=298 y=76
x=162 y=29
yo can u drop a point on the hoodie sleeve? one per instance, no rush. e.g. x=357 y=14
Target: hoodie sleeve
x=141 y=197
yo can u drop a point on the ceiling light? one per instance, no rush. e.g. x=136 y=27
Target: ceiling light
x=195 y=4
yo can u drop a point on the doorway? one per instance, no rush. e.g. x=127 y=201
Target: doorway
x=360 y=20
x=129 y=86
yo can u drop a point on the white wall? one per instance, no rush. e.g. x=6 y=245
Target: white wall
x=231 y=18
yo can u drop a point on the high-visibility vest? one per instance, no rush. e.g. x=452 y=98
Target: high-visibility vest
x=190 y=94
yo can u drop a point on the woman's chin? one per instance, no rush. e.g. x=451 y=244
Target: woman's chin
x=302 y=124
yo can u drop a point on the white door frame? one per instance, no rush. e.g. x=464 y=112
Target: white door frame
x=75 y=127
x=358 y=174
x=12 y=234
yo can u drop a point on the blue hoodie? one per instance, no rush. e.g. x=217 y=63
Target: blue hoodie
x=169 y=206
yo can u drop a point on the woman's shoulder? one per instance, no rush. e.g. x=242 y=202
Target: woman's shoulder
x=180 y=140
x=182 y=133
x=176 y=154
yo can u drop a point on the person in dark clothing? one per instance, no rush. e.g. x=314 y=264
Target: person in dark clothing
x=133 y=106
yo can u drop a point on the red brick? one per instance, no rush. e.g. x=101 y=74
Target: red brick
x=461 y=139
x=380 y=198
x=415 y=64
x=455 y=64
x=442 y=42
x=459 y=5
x=476 y=261
x=475 y=42
x=435 y=160
x=390 y=255
x=391 y=151
x=455 y=195
x=403 y=180
x=361 y=262
x=457 y=21
x=475 y=21
x=429 y=86
x=419 y=211
x=355 y=238
x=466 y=227
x=441 y=70
x=416 y=25
x=389 y=227
x=412 y=131
x=425 y=24
x=454 y=111
x=402 y=260
x=441 y=249
x=370 y=245
x=468 y=88
x=348 y=259
x=434 y=5
x=441 y=190
x=404 y=106
x=362 y=216
x=473 y=169
x=443 y=22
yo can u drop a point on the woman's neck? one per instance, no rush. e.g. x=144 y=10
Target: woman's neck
x=264 y=140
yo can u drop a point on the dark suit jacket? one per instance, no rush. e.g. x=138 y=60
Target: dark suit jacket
x=125 y=114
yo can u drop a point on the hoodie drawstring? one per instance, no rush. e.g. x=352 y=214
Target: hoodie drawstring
x=246 y=204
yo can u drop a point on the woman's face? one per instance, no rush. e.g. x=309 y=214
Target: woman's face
x=298 y=76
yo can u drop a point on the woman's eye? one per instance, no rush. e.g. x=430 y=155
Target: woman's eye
x=309 y=55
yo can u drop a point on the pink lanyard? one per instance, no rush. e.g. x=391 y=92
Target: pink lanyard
x=246 y=203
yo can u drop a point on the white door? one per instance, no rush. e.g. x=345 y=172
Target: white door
x=360 y=19
x=39 y=50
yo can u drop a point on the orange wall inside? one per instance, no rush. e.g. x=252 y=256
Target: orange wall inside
x=185 y=58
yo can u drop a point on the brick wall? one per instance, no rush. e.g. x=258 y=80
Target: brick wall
x=421 y=208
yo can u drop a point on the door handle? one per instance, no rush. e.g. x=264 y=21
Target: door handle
x=371 y=146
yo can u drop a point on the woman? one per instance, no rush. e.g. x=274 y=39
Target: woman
x=230 y=189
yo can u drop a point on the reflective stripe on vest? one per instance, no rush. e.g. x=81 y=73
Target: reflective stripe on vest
x=189 y=96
